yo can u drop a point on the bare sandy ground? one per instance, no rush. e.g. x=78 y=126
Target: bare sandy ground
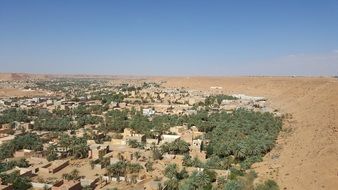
x=306 y=157
x=13 y=92
x=16 y=92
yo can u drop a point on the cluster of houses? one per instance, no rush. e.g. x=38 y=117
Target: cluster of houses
x=113 y=151
x=150 y=101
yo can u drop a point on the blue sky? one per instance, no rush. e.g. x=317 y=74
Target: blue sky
x=157 y=37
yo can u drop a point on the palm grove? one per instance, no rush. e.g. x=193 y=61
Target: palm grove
x=236 y=140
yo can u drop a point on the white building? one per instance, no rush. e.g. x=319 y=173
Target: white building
x=148 y=112
x=169 y=138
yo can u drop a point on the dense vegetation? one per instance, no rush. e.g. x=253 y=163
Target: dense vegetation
x=117 y=121
x=203 y=180
x=68 y=85
x=217 y=99
x=176 y=147
x=22 y=163
x=27 y=141
x=12 y=114
x=232 y=141
x=123 y=168
x=19 y=182
x=54 y=123
x=106 y=96
x=76 y=147
x=59 y=120
x=239 y=137
x=243 y=135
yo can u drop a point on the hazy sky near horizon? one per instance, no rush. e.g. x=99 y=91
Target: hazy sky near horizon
x=174 y=37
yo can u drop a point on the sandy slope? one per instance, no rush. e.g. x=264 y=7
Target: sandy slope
x=306 y=157
x=12 y=92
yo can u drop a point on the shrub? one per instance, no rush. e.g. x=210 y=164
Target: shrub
x=267 y=185
x=234 y=185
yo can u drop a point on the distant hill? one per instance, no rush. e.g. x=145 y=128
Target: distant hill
x=26 y=76
x=21 y=76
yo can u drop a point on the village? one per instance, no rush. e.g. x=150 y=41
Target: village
x=109 y=135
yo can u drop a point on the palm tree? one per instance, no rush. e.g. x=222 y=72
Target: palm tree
x=153 y=146
x=171 y=171
x=104 y=162
x=149 y=166
x=133 y=143
x=134 y=179
x=110 y=171
x=197 y=180
x=240 y=151
x=51 y=153
x=134 y=168
x=202 y=180
x=137 y=155
x=92 y=164
x=87 y=188
x=65 y=142
x=172 y=184
x=82 y=150
x=75 y=174
x=118 y=169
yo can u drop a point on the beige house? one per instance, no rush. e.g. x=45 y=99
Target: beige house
x=117 y=142
x=97 y=151
x=67 y=185
x=54 y=166
x=129 y=134
x=23 y=153
x=6 y=138
x=178 y=129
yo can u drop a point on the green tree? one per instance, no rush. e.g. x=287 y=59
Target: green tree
x=149 y=166
x=133 y=168
x=116 y=121
x=26 y=141
x=19 y=182
x=267 y=185
x=171 y=171
x=117 y=170
x=234 y=185
x=73 y=175
x=157 y=154
x=172 y=184
x=176 y=147
x=202 y=180
x=51 y=153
